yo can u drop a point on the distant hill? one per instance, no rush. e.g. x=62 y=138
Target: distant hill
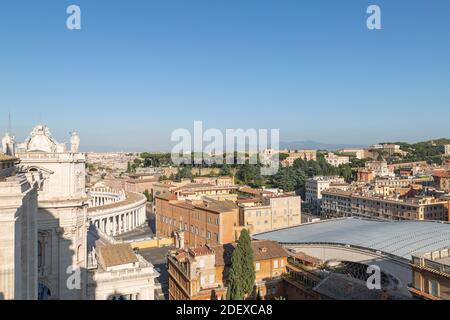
x=434 y=142
x=308 y=144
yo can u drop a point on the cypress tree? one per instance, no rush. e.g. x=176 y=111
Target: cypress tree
x=242 y=271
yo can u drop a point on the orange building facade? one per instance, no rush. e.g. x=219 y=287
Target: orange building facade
x=196 y=223
x=202 y=273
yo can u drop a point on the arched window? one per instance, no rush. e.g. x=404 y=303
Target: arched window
x=80 y=253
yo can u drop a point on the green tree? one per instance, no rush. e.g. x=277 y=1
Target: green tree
x=242 y=270
x=148 y=196
x=225 y=170
x=250 y=174
x=183 y=173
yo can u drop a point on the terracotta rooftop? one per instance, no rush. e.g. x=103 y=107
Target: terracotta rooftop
x=183 y=204
x=136 y=181
x=306 y=258
x=201 y=186
x=262 y=250
x=441 y=174
x=201 y=251
x=248 y=200
x=166 y=196
x=217 y=206
x=117 y=254
x=254 y=191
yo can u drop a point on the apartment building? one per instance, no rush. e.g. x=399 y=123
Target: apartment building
x=197 y=191
x=196 y=223
x=402 y=182
x=269 y=213
x=340 y=203
x=218 y=181
x=356 y=153
x=306 y=155
x=431 y=275
x=380 y=168
x=140 y=182
x=315 y=186
x=393 y=149
x=389 y=148
x=201 y=273
x=441 y=180
x=365 y=175
x=336 y=160
x=447 y=149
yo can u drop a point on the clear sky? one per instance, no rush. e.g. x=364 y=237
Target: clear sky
x=139 y=69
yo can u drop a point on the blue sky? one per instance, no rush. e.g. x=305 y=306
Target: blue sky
x=139 y=69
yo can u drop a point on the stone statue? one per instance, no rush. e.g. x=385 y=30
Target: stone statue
x=74 y=142
x=9 y=145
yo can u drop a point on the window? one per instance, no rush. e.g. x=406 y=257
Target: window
x=257 y=266
x=209 y=235
x=282 y=263
x=275 y=264
x=433 y=288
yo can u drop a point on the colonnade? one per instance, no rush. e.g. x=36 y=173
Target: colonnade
x=121 y=222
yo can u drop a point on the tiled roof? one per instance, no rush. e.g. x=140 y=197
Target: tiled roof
x=441 y=174
x=217 y=206
x=309 y=259
x=117 y=254
x=137 y=181
x=166 y=196
x=201 y=251
x=253 y=191
x=262 y=250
